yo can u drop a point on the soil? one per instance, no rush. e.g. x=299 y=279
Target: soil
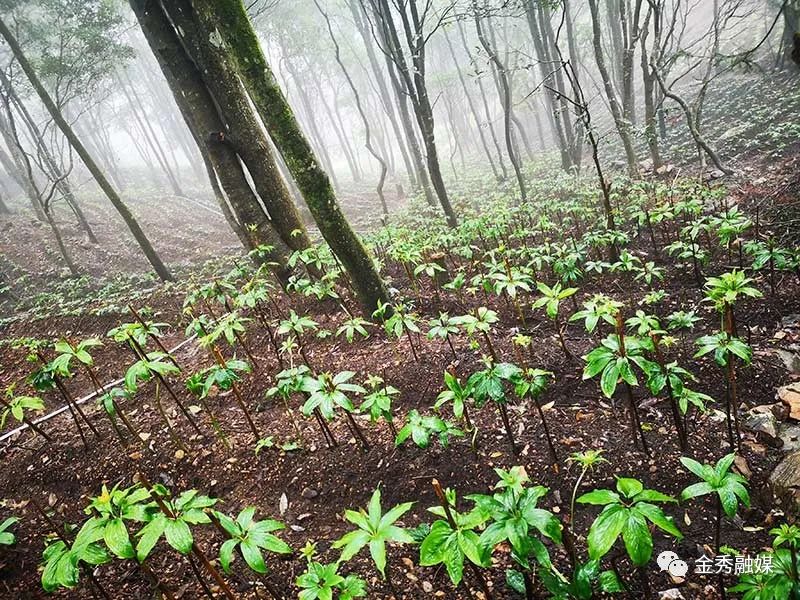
x=320 y=483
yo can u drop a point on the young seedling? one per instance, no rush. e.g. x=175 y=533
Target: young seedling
x=481 y=322
x=550 y=300
x=326 y=392
x=614 y=360
x=173 y=522
x=225 y=375
x=453 y=538
x=588 y=460
x=669 y=377
x=79 y=354
x=514 y=517
x=249 y=539
x=374 y=529
x=19 y=407
x=7 y=537
x=725 y=348
x=288 y=383
x=296 y=326
x=232 y=329
x=788 y=535
x=378 y=402
x=729 y=489
x=421 y=428
x=628 y=513
x=110 y=512
x=458 y=395
x=402 y=321
x=321 y=581
x=352 y=327
x=444 y=328
x=489 y=384
x=598 y=308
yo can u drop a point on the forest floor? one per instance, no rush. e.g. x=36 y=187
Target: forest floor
x=319 y=484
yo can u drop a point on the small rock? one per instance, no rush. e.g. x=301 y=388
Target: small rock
x=790 y=435
x=670 y=594
x=790 y=396
x=761 y=421
x=785 y=478
x=309 y=493
x=790 y=359
x=427 y=587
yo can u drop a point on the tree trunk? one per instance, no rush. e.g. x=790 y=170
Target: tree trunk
x=506 y=99
x=366 y=36
x=623 y=127
x=111 y=194
x=414 y=81
x=472 y=109
x=360 y=108
x=229 y=20
x=242 y=130
x=53 y=169
x=197 y=106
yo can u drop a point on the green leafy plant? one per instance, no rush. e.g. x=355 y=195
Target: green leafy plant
x=374 y=529
x=550 y=300
x=320 y=581
x=453 y=539
x=729 y=488
x=489 y=384
x=626 y=513
x=458 y=395
x=250 y=538
x=614 y=360
x=378 y=402
x=328 y=392
x=513 y=516
x=420 y=428
x=7 y=538
x=531 y=383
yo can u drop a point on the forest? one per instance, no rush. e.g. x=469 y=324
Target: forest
x=399 y=299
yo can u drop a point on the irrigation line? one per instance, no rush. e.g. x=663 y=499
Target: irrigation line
x=83 y=400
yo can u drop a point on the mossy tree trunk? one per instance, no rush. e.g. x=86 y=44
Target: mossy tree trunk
x=133 y=225
x=228 y=20
x=242 y=131
x=197 y=106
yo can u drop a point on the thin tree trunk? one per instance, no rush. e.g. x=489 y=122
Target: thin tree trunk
x=98 y=175
x=623 y=127
x=506 y=98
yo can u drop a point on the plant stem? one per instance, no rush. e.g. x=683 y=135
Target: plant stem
x=437 y=488
x=501 y=406
x=195 y=548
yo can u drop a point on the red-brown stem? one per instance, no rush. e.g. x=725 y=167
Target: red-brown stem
x=437 y=488
x=195 y=548
x=59 y=532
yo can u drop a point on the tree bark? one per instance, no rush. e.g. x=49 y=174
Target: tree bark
x=415 y=85
x=242 y=131
x=367 y=132
x=506 y=99
x=383 y=90
x=228 y=18
x=197 y=106
x=623 y=126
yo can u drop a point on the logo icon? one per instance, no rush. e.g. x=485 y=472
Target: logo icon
x=672 y=563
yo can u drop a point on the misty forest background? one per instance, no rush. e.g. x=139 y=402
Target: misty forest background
x=458 y=90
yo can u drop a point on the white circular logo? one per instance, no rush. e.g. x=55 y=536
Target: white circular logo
x=672 y=563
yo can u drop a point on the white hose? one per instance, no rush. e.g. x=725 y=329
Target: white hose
x=83 y=400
